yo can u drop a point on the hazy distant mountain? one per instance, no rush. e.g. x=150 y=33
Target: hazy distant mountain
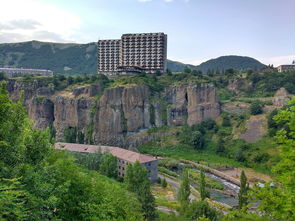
x=81 y=58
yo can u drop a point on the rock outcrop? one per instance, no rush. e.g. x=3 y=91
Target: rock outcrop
x=239 y=85
x=281 y=98
x=118 y=116
x=191 y=104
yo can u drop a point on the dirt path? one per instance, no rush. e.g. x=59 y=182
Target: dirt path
x=255 y=129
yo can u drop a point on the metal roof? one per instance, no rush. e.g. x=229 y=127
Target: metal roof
x=118 y=152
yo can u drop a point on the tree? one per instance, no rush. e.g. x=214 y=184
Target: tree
x=203 y=192
x=197 y=140
x=187 y=70
x=277 y=200
x=243 y=193
x=70 y=80
x=220 y=149
x=256 y=108
x=226 y=121
x=184 y=191
x=137 y=181
x=198 y=209
x=164 y=183
x=12 y=200
x=108 y=166
x=2 y=76
x=38 y=182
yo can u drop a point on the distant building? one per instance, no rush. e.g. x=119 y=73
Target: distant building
x=124 y=157
x=20 y=72
x=145 y=52
x=286 y=67
x=108 y=55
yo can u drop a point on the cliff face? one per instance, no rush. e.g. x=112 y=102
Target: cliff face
x=122 y=114
x=191 y=104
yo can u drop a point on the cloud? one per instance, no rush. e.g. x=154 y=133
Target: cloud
x=21 y=24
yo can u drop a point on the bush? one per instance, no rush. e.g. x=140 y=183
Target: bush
x=197 y=140
x=198 y=209
x=256 y=108
x=226 y=121
x=164 y=183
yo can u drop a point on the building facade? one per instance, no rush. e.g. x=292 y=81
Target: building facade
x=108 y=55
x=144 y=52
x=20 y=72
x=124 y=157
x=287 y=67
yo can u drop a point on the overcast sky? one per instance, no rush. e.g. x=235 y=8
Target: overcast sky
x=197 y=29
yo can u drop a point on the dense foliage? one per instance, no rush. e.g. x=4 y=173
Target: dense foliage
x=137 y=182
x=40 y=183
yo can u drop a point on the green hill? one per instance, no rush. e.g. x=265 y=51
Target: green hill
x=58 y=57
x=232 y=61
x=69 y=58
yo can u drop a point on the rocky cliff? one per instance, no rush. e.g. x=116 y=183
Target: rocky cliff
x=116 y=116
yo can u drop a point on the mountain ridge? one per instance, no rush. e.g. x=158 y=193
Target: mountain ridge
x=75 y=58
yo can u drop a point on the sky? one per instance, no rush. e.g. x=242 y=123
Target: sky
x=197 y=30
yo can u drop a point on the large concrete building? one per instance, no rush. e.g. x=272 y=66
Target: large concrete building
x=286 y=67
x=124 y=157
x=144 y=52
x=20 y=72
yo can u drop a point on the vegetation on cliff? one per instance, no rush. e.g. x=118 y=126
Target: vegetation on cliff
x=40 y=183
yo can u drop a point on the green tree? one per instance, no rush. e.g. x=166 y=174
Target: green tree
x=220 y=149
x=203 y=192
x=137 y=181
x=70 y=135
x=187 y=70
x=12 y=200
x=243 y=193
x=256 y=108
x=164 y=183
x=197 y=140
x=108 y=166
x=278 y=200
x=2 y=76
x=226 y=121
x=198 y=209
x=38 y=182
x=184 y=191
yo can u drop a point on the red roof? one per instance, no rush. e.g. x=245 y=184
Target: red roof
x=118 y=152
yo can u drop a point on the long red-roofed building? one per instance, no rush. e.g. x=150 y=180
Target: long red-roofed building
x=124 y=156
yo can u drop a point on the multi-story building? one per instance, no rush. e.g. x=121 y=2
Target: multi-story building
x=19 y=72
x=124 y=157
x=145 y=52
x=286 y=67
x=108 y=55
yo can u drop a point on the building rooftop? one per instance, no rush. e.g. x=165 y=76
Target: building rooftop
x=118 y=152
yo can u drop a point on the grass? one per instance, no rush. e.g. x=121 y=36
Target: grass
x=181 y=151
x=211 y=183
x=165 y=196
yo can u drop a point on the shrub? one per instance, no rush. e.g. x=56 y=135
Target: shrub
x=164 y=183
x=256 y=108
